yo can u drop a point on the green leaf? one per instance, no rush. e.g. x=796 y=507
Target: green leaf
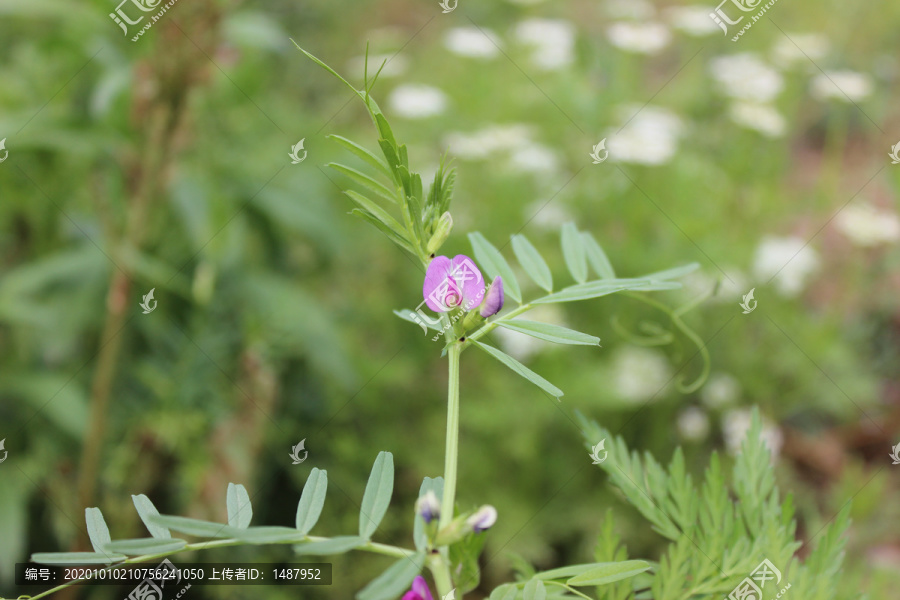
x=673 y=273
x=364 y=180
x=400 y=240
x=489 y=258
x=336 y=545
x=311 y=500
x=141 y=546
x=267 y=534
x=376 y=211
x=532 y=262
x=464 y=556
x=522 y=370
x=146 y=509
x=384 y=130
x=574 y=252
x=609 y=572
x=364 y=154
x=378 y=493
x=191 y=526
x=97 y=529
x=596 y=289
x=435 y=485
x=395 y=580
x=507 y=591
x=76 y=558
x=565 y=572
x=597 y=257
x=550 y=333
x=390 y=155
x=535 y=590
x=239 y=509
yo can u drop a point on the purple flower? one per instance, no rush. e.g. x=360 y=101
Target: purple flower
x=493 y=302
x=419 y=590
x=429 y=507
x=483 y=518
x=452 y=284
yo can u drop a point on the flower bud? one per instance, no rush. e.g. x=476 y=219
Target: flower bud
x=428 y=507
x=441 y=233
x=493 y=300
x=482 y=519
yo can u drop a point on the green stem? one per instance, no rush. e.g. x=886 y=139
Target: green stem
x=452 y=447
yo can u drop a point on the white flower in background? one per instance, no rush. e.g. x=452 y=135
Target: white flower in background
x=525 y=2
x=533 y=157
x=790 y=258
x=800 y=48
x=472 y=42
x=640 y=374
x=693 y=20
x=417 y=101
x=736 y=424
x=546 y=214
x=760 y=117
x=746 y=77
x=396 y=65
x=650 y=137
x=846 y=86
x=489 y=140
x=629 y=9
x=865 y=225
x=693 y=424
x=721 y=390
x=553 y=41
x=643 y=38
x=521 y=346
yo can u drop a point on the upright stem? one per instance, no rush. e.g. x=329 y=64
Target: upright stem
x=452 y=447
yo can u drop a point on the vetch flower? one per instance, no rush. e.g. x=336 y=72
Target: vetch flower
x=428 y=507
x=493 y=301
x=483 y=518
x=451 y=284
x=419 y=590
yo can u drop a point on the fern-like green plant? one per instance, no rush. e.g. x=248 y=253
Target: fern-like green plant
x=718 y=533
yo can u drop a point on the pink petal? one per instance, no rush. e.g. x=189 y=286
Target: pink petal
x=469 y=280
x=435 y=277
x=420 y=587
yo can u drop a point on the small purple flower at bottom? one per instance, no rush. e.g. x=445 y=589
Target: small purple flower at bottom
x=419 y=590
x=451 y=284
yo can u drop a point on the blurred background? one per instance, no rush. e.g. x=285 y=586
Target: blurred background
x=163 y=164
